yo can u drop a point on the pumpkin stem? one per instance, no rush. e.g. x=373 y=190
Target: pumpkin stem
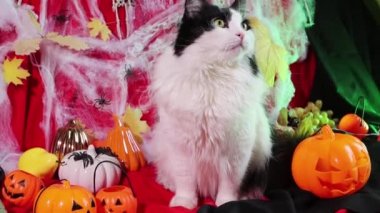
x=117 y=121
x=91 y=150
x=66 y=184
x=326 y=133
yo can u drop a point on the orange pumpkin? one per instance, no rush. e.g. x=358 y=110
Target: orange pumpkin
x=64 y=198
x=354 y=124
x=121 y=141
x=331 y=165
x=20 y=188
x=117 y=199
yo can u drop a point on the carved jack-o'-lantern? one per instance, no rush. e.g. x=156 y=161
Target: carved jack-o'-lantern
x=117 y=199
x=63 y=198
x=331 y=165
x=21 y=188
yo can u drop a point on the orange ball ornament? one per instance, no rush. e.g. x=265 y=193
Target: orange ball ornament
x=352 y=123
x=116 y=199
x=331 y=165
x=21 y=188
x=64 y=198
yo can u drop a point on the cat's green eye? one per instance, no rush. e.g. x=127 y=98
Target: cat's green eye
x=218 y=23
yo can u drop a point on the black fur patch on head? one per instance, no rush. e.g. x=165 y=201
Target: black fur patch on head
x=192 y=27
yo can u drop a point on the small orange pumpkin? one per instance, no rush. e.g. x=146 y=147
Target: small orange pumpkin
x=20 y=189
x=354 y=124
x=331 y=165
x=64 y=198
x=118 y=199
x=121 y=141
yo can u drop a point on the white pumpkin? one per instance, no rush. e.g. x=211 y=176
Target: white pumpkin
x=79 y=167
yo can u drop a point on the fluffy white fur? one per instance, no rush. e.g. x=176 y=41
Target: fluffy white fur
x=212 y=119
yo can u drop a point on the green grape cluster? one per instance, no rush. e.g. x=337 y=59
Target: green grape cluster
x=306 y=121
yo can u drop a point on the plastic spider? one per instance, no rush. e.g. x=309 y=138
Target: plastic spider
x=127 y=72
x=62 y=17
x=86 y=158
x=101 y=102
x=105 y=151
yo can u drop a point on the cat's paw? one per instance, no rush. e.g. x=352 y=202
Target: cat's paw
x=187 y=202
x=220 y=200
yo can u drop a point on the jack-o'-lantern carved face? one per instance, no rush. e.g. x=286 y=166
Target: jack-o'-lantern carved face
x=20 y=188
x=63 y=198
x=84 y=207
x=331 y=165
x=116 y=199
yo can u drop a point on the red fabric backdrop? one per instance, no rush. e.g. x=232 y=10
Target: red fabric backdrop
x=27 y=107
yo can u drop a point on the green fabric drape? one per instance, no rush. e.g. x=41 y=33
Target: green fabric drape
x=346 y=38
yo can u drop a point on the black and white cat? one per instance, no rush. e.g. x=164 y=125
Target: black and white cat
x=212 y=120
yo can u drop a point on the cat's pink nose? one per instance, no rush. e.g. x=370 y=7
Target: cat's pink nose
x=240 y=35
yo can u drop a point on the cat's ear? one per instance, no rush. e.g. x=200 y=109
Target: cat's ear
x=193 y=7
x=240 y=5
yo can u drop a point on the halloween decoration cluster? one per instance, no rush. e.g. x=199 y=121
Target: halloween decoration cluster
x=20 y=189
x=38 y=162
x=93 y=169
x=116 y=199
x=71 y=199
x=69 y=138
x=331 y=164
x=121 y=141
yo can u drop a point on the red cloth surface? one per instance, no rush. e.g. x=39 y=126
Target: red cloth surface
x=152 y=197
x=27 y=107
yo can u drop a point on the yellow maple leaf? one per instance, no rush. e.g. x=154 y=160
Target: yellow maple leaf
x=67 y=41
x=27 y=46
x=97 y=27
x=132 y=118
x=271 y=58
x=13 y=72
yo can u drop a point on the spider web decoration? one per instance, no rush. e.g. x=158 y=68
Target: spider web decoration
x=72 y=79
